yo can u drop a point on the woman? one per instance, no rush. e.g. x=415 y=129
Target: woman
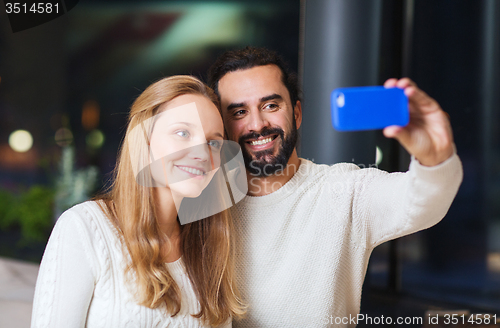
x=124 y=260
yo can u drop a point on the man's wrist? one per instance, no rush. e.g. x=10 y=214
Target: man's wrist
x=436 y=160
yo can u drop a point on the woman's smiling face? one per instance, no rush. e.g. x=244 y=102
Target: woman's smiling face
x=185 y=143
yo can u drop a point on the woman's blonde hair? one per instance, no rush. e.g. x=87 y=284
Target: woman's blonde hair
x=207 y=245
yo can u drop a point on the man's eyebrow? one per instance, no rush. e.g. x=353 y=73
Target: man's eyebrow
x=271 y=97
x=235 y=105
x=263 y=99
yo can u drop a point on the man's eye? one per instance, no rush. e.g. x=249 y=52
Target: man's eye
x=240 y=112
x=271 y=106
x=215 y=144
x=182 y=133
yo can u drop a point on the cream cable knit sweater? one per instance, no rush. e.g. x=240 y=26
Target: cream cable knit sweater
x=81 y=282
x=303 y=250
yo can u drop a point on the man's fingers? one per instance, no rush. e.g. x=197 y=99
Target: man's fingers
x=392 y=131
x=420 y=100
x=401 y=134
x=401 y=83
x=405 y=82
x=410 y=91
x=390 y=83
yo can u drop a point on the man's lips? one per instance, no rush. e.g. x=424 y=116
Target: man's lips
x=262 y=142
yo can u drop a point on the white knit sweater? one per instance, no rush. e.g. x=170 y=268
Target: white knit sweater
x=303 y=250
x=81 y=282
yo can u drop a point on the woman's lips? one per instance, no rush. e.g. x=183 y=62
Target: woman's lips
x=193 y=172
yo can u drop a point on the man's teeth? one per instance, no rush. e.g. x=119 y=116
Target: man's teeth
x=261 y=142
x=191 y=170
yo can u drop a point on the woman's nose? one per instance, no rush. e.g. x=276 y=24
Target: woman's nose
x=200 y=152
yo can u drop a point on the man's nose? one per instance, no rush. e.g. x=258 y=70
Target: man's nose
x=257 y=121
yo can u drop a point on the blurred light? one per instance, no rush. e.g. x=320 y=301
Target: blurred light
x=20 y=141
x=493 y=262
x=186 y=41
x=95 y=139
x=15 y=161
x=64 y=120
x=378 y=155
x=63 y=137
x=90 y=115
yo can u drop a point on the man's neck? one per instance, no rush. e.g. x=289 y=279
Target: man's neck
x=261 y=186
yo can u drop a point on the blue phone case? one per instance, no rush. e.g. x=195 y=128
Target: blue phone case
x=368 y=108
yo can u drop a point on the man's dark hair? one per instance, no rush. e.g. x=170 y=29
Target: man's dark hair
x=249 y=57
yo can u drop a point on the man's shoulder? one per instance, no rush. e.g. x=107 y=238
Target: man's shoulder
x=315 y=175
x=308 y=167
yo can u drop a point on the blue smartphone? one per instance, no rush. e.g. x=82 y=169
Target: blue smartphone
x=368 y=108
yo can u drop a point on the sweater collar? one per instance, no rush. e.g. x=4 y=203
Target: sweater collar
x=287 y=189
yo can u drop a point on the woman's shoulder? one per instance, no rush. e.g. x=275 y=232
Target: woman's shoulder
x=90 y=218
x=89 y=227
x=84 y=212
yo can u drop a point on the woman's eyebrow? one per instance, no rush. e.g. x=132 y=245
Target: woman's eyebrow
x=217 y=134
x=185 y=123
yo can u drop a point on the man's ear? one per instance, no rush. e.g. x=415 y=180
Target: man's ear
x=297 y=113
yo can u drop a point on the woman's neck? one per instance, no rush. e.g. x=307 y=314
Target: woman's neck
x=166 y=216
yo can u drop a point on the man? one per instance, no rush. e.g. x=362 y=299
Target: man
x=306 y=231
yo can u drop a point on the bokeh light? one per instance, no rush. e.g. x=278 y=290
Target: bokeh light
x=90 y=115
x=95 y=139
x=378 y=155
x=63 y=137
x=20 y=141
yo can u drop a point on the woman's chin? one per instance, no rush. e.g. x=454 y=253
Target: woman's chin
x=186 y=191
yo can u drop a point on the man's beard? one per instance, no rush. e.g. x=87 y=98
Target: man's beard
x=264 y=163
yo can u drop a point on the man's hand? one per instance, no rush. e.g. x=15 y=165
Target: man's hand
x=428 y=136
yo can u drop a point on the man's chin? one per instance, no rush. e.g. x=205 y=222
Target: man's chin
x=263 y=158
x=266 y=162
x=264 y=169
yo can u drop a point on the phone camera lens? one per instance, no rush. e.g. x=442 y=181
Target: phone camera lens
x=340 y=100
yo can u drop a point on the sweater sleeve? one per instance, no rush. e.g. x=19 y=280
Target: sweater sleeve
x=390 y=205
x=66 y=279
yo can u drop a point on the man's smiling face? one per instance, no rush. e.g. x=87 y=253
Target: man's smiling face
x=258 y=114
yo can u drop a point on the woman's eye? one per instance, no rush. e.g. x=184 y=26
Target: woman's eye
x=182 y=133
x=215 y=144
